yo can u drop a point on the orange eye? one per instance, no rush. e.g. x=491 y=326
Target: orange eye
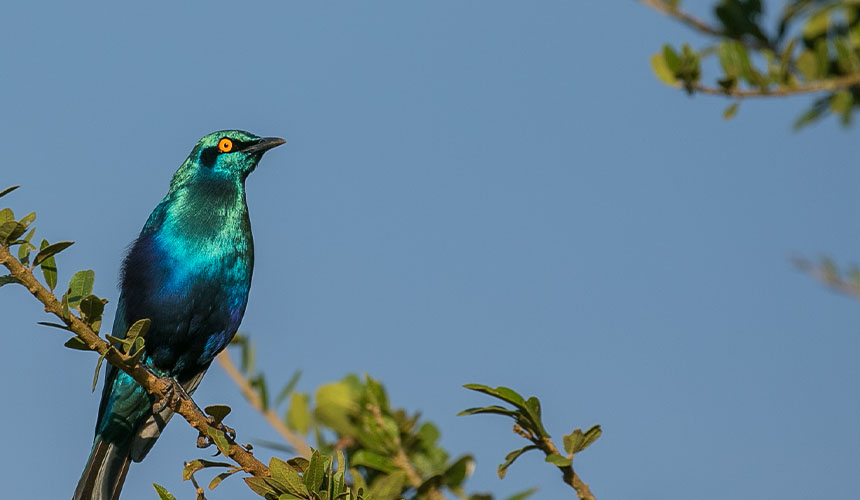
x=225 y=145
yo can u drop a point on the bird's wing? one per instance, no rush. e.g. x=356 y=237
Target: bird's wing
x=118 y=331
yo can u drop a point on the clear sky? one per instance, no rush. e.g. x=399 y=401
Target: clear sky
x=496 y=192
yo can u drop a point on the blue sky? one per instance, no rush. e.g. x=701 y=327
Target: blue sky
x=471 y=192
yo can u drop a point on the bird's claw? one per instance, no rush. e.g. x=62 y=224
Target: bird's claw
x=172 y=395
x=229 y=431
x=204 y=441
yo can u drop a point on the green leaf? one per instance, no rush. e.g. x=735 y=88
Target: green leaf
x=7 y=215
x=846 y=57
x=841 y=102
x=26 y=247
x=8 y=190
x=80 y=286
x=289 y=477
x=287 y=496
x=316 y=472
x=51 y=250
x=9 y=231
x=511 y=396
x=558 y=460
x=807 y=63
x=54 y=325
x=523 y=494
x=28 y=219
x=163 y=494
x=511 y=457
x=577 y=440
x=822 y=55
x=299 y=464
x=219 y=439
x=7 y=279
x=372 y=460
x=533 y=404
x=662 y=70
x=199 y=464
x=388 y=487
x=220 y=477
x=49 y=268
x=358 y=482
x=77 y=344
x=728 y=59
x=247 y=358
x=259 y=383
x=261 y=487
x=814 y=113
x=738 y=63
x=291 y=384
x=673 y=62
x=459 y=471
x=98 y=369
x=138 y=329
x=731 y=110
x=298 y=416
x=817 y=24
x=92 y=308
x=217 y=412
x=335 y=402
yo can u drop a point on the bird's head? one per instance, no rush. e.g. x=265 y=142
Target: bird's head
x=226 y=154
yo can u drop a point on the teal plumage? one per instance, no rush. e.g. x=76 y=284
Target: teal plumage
x=189 y=272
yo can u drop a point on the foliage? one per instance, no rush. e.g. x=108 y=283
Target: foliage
x=526 y=414
x=812 y=47
x=365 y=447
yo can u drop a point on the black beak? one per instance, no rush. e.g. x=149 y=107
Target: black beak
x=264 y=145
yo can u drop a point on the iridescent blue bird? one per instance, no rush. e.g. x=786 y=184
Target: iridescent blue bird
x=189 y=272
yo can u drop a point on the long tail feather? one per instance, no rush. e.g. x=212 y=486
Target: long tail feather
x=105 y=472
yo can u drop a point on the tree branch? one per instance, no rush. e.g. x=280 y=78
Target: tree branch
x=828 y=277
x=256 y=402
x=830 y=84
x=402 y=461
x=686 y=18
x=149 y=381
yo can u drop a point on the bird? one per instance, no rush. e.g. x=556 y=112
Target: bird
x=188 y=272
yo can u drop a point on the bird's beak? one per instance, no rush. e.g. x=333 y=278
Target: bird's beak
x=264 y=145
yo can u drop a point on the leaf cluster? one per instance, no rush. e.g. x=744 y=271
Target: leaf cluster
x=526 y=414
x=813 y=47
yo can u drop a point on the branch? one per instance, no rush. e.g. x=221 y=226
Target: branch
x=401 y=460
x=686 y=18
x=830 y=84
x=254 y=399
x=150 y=382
x=828 y=277
x=570 y=476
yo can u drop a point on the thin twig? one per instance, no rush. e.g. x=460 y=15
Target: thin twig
x=150 y=382
x=686 y=18
x=253 y=397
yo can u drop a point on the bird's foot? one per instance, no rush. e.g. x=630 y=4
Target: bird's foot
x=174 y=393
x=204 y=441
x=229 y=431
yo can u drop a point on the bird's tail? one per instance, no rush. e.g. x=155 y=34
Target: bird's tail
x=105 y=471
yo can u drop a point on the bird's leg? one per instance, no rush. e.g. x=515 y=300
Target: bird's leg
x=175 y=392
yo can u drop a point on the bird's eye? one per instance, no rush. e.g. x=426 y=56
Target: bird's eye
x=225 y=145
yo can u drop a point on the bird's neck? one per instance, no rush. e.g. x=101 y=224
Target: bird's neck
x=203 y=218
